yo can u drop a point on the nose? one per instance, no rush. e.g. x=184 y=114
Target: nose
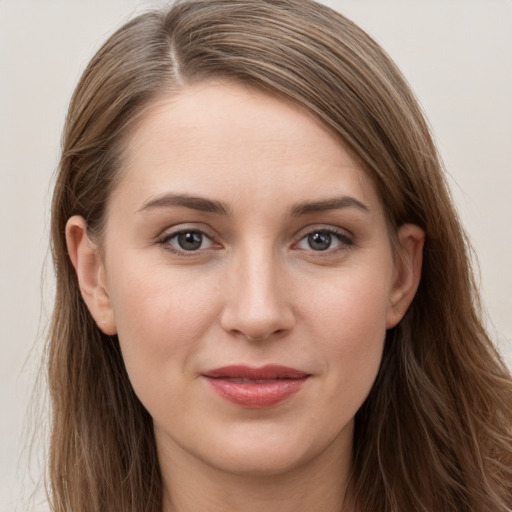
x=256 y=302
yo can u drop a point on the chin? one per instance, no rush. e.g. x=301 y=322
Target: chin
x=260 y=453
x=259 y=462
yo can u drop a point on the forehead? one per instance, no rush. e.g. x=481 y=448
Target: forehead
x=224 y=138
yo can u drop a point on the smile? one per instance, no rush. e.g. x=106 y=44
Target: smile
x=256 y=388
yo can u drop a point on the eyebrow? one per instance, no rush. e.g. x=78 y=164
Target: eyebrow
x=220 y=208
x=334 y=203
x=186 y=201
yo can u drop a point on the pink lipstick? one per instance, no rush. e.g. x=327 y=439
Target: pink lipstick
x=256 y=388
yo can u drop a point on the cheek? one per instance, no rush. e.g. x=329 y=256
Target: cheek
x=161 y=317
x=350 y=318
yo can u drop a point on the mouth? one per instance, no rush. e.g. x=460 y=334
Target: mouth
x=256 y=388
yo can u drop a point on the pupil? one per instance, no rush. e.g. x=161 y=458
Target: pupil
x=190 y=241
x=320 y=241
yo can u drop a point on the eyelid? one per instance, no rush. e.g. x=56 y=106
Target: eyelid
x=344 y=236
x=169 y=233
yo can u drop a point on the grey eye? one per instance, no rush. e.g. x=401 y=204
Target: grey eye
x=187 y=241
x=190 y=240
x=319 y=240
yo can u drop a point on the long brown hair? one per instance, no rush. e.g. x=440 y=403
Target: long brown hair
x=435 y=434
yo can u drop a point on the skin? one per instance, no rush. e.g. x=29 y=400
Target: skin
x=255 y=292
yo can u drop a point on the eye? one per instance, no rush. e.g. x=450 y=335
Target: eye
x=187 y=241
x=323 y=240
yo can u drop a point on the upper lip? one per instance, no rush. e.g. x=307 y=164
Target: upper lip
x=267 y=372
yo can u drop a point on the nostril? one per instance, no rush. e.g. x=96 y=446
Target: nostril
x=265 y=337
x=258 y=310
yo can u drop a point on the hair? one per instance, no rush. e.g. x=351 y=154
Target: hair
x=435 y=433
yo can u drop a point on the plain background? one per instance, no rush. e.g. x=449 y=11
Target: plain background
x=457 y=55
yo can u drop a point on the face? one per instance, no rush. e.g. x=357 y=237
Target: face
x=248 y=272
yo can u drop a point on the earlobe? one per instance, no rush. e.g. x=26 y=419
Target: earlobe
x=90 y=271
x=407 y=275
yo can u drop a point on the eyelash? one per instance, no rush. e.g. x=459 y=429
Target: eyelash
x=164 y=241
x=346 y=242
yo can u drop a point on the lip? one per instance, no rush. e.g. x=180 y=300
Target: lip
x=256 y=388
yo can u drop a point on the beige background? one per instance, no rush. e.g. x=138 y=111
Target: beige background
x=457 y=54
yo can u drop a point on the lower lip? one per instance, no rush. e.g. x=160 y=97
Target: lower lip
x=256 y=395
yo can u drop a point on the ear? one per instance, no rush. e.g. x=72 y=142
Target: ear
x=407 y=274
x=90 y=271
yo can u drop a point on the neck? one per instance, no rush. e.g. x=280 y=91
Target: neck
x=321 y=484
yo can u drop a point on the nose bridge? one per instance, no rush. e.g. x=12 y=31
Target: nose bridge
x=257 y=304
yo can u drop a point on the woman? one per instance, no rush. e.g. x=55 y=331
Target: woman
x=264 y=298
